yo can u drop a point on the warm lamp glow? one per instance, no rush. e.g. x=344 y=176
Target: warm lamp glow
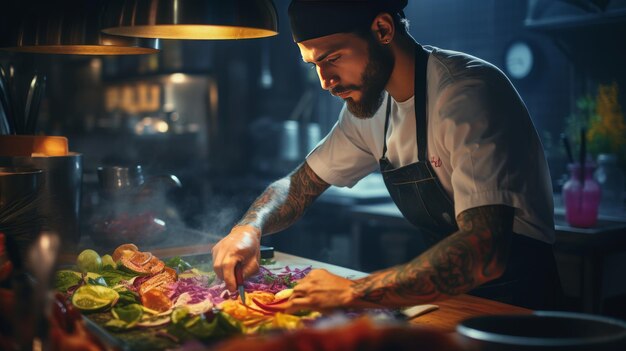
x=191 y=19
x=191 y=31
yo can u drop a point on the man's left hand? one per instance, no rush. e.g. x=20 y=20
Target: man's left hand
x=321 y=290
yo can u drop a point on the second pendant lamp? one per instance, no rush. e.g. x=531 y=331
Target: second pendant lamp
x=191 y=19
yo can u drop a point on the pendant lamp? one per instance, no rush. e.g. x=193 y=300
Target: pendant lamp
x=67 y=27
x=191 y=19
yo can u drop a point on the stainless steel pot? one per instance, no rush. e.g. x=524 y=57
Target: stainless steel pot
x=60 y=192
x=19 y=208
x=543 y=330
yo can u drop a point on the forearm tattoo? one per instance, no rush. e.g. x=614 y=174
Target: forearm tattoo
x=285 y=200
x=473 y=255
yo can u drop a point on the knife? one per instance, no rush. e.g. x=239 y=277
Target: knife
x=416 y=311
x=239 y=280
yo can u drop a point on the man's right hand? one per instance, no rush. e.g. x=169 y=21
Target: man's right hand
x=242 y=244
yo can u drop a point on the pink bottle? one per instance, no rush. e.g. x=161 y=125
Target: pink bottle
x=581 y=202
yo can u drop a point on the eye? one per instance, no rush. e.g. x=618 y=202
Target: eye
x=333 y=59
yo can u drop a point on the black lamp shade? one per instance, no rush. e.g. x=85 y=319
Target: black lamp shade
x=68 y=27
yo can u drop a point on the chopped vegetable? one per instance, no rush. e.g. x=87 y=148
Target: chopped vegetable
x=178 y=264
x=174 y=296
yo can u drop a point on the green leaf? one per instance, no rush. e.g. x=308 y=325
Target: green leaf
x=113 y=276
x=127 y=297
x=65 y=279
x=178 y=264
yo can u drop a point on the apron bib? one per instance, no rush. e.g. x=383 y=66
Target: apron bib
x=530 y=279
x=415 y=188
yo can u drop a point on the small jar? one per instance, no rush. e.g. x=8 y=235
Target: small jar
x=581 y=198
x=611 y=181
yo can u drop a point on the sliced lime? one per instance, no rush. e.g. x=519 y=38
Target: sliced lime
x=91 y=298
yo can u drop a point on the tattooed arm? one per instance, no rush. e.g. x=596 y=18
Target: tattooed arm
x=285 y=200
x=475 y=254
x=280 y=205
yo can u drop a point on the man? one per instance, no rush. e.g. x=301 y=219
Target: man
x=452 y=139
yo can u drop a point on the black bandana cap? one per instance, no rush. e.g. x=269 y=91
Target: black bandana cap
x=312 y=19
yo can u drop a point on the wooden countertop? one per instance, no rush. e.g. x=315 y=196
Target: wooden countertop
x=450 y=311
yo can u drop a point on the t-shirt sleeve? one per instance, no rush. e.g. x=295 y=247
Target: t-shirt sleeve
x=483 y=131
x=342 y=158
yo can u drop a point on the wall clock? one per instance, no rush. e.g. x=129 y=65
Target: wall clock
x=520 y=60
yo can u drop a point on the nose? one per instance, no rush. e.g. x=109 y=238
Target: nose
x=328 y=79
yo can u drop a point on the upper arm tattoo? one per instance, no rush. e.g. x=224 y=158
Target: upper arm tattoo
x=285 y=200
x=475 y=254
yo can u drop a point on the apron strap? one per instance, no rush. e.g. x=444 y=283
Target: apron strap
x=421 y=61
x=386 y=124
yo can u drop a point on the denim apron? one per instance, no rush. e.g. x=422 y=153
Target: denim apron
x=530 y=279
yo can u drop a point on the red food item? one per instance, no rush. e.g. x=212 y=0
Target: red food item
x=156 y=300
x=361 y=335
x=122 y=250
x=143 y=263
x=275 y=306
x=158 y=281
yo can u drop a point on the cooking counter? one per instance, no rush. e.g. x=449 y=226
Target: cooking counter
x=450 y=311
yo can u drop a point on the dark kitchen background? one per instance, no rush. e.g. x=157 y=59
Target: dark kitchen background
x=228 y=117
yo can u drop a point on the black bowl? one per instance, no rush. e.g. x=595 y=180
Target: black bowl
x=544 y=330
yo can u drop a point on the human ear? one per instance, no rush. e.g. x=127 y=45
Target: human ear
x=383 y=28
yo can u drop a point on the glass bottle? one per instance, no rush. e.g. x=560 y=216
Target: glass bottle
x=611 y=181
x=581 y=198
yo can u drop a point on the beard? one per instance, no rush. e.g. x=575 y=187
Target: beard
x=373 y=81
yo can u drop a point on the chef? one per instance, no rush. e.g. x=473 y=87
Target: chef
x=456 y=148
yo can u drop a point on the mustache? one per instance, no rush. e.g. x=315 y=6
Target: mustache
x=341 y=89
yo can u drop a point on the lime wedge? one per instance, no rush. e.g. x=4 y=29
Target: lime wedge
x=91 y=298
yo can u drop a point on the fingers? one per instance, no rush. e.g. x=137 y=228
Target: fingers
x=228 y=272
x=218 y=256
x=299 y=304
x=240 y=245
x=251 y=267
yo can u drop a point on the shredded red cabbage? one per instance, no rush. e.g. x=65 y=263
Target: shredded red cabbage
x=266 y=280
x=198 y=288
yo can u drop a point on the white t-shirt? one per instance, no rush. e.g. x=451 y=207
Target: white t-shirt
x=481 y=143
